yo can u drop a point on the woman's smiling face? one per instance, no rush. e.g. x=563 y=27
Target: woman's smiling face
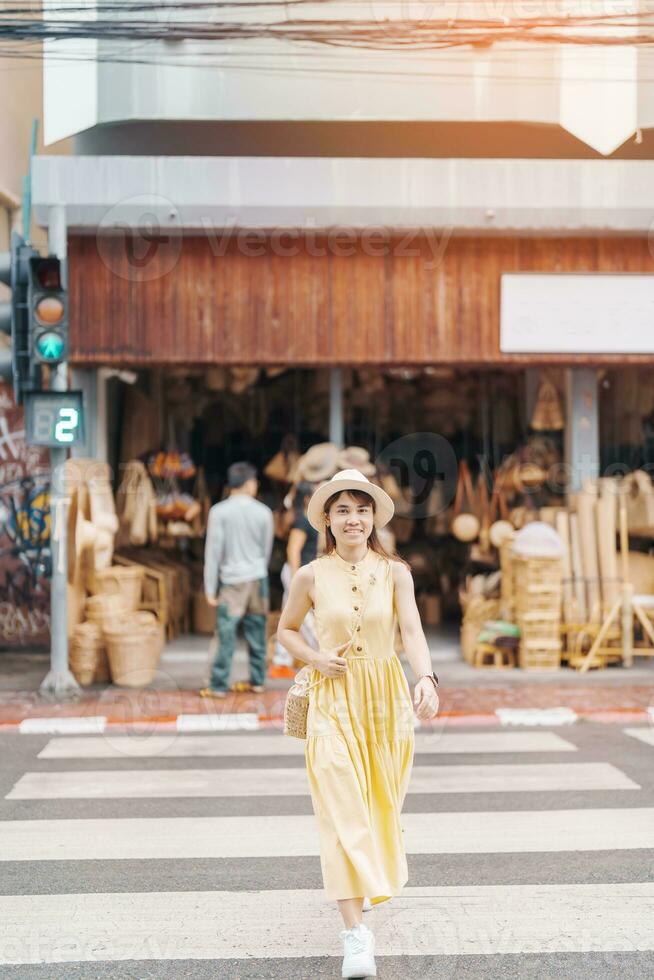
x=351 y=520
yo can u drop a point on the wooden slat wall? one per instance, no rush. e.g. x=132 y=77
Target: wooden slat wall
x=423 y=301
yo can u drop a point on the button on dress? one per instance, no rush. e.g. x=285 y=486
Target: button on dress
x=360 y=735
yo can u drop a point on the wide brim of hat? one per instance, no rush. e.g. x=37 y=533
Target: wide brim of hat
x=384 y=507
x=319 y=462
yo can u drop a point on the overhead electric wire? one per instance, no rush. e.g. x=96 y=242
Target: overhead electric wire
x=314 y=70
x=373 y=35
x=112 y=21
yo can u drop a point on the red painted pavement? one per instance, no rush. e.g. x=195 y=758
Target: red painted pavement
x=469 y=705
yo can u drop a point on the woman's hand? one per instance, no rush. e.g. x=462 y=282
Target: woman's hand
x=425 y=699
x=330 y=662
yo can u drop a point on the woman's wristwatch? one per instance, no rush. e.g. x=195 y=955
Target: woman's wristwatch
x=432 y=677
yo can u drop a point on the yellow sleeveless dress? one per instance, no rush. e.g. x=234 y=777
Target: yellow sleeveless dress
x=360 y=735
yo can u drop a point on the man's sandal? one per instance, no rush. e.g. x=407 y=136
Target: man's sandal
x=245 y=687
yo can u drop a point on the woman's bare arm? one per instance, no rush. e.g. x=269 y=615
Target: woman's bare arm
x=297 y=606
x=414 y=641
x=413 y=636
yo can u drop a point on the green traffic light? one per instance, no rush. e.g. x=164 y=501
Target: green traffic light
x=50 y=346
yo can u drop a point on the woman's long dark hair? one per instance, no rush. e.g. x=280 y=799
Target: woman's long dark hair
x=373 y=541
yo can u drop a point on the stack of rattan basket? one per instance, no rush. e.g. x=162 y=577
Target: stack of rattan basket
x=507 y=587
x=133 y=640
x=88 y=654
x=538 y=597
x=134 y=645
x=119 y=580
x=104 y=609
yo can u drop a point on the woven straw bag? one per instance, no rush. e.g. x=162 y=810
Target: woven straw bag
x=296 y=707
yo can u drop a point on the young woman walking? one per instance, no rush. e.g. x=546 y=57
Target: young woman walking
x=360 y=726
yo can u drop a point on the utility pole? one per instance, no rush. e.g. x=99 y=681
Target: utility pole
x=59 y=682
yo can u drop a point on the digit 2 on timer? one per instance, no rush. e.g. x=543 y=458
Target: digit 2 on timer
x=54 y=418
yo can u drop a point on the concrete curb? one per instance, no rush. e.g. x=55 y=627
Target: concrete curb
x=505 y=717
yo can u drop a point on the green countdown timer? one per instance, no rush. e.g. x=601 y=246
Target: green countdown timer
x=54 y=418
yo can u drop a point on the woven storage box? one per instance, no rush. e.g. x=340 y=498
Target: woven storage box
x=538 y=603
x=539 y=658
x=88 y=655
x=120 y=580
x=134 y=647
x=539 y=572
x=538 y=599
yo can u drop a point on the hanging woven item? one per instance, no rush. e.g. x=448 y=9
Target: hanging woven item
x=548 y=413
x=136 y=503
x=465 y=521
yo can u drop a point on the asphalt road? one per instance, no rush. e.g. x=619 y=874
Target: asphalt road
x=530 y=851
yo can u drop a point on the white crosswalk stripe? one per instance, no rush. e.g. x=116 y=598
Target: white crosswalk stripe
x=216 y=746
x=157 y=783
x=645 y=735
x=169 y=922
x=292 y=836
x=423 y=921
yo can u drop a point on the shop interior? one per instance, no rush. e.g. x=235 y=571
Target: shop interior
x=173 y=433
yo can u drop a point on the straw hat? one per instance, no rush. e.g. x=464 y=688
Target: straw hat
x=356 y=458
x=349 y=480
x=319 y=462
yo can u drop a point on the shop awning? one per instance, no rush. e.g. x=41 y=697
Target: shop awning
x=465 y=195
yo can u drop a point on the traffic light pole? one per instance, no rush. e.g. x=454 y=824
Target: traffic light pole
x=59 y=683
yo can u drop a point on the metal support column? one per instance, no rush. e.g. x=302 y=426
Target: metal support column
x=336 y=425
x=59 y=683
x=582 y=456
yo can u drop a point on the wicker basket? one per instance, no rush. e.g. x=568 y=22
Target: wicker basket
x=296 y=710
x=296 y=706
x=105 y=609
x=134 y=647
x=88 y=655
x=119 y=580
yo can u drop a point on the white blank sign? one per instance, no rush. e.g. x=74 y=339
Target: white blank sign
x=577 y=314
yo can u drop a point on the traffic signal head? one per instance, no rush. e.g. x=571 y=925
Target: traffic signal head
x=48 y=311
x=15 y=364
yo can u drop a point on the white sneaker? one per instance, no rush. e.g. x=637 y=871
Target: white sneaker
x=359 y=952
x=367 y=905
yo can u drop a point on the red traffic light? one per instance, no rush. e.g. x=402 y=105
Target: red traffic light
x=47 y=273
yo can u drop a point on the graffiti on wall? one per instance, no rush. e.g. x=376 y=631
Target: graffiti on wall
x=25 y=556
